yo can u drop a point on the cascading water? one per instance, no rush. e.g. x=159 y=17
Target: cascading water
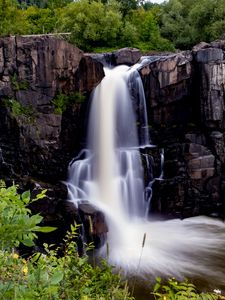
x=109 y=174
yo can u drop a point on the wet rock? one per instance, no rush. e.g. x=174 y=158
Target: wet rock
x=195 y=138
x=95 y=226
x=200 y=46
x=217 y=139
x=126 y=56
x=89 y=74
x=209 y=55
x=167 y=85
x=218 y=44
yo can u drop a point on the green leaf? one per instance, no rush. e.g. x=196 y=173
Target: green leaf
x=26 y=197
x=56 y=277
x=44 y=229
x=41 y=195
x=28 y=242
x=156 y=287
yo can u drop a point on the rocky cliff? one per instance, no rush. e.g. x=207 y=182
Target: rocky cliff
x=185 y=98
x=45 y=84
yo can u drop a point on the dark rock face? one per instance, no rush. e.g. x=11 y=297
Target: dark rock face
x=167 y=84
x=185 y=98
x=33 y=71
x=124 y=56
x=36 y=142
x=94 y=224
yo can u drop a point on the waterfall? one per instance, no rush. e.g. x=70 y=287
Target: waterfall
x=162 y=164
x=109 y=174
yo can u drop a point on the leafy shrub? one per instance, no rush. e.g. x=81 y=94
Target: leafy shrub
x=175 y=290
x=61 y=101
x=18 y=84
x=47 y=276
x=16 y=223
x=51 y=277
x=18 y=110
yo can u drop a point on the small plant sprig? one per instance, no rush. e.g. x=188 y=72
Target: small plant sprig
x=62 y=100
x=18 y=110
x=18 y=84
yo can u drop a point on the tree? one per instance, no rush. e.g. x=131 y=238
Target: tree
x=44 y=3
x=40 y=20
x=186 y=23
x=173 y=23
x=11 y=19
x=149 y=37
x=92 y=24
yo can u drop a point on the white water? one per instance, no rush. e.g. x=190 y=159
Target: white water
x=110 y=176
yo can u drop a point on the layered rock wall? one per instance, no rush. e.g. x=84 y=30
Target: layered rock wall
x=45 y=85
x=42 y=82
x=185 y=97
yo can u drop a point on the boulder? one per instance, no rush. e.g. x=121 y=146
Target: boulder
x=126 y=56
x=200 y=46
x=94 y=222
x=208 y=55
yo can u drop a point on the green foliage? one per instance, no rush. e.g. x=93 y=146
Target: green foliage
x=16 y=224
x=175 y=290
x=47 y=276
x=148 y=31
x=127 y=5
x=92 y=24
x=117 y=23
x=18 y=110
x=186 y=23
x=61 y=101
x=40 y=20
x=18 y=84
x=12 y=19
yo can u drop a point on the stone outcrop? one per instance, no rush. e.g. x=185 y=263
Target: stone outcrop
x=39 y=75
x=124 y=56
x=185 y=98
x=45 y=84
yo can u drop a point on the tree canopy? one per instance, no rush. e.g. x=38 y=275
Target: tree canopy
x=109 y=24
x=186 y=23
